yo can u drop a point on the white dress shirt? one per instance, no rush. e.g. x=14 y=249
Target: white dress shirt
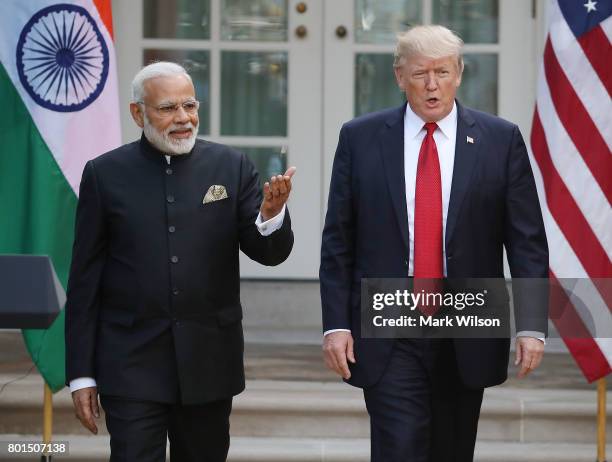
x=265 y=229
x=445 y=137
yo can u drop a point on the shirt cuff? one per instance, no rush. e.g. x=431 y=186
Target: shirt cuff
x=335 y=330
x=82 y=382
x=273 y=224
x=532 y=333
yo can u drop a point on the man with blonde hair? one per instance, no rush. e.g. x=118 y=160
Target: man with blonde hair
x=153 y=316
x=432 y=189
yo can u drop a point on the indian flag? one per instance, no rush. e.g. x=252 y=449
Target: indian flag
x=60 y=108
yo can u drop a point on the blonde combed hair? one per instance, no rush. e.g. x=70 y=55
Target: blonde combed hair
x=431 y=41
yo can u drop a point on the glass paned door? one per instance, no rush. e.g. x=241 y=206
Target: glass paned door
x=250 y=82
x=262 y=20
x=379 y=22
x=257 y=69
x=176 y=19
x=476 y=21
x=358 y=62
x=277 y=79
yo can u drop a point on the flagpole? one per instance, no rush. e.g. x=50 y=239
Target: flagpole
x=47 y=421
x=601 y=420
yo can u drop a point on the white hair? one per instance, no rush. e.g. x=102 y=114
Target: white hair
x=431 y=41
x=165 y=143
x=151 y=71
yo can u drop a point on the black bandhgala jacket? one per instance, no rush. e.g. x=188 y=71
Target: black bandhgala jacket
x=153 y=309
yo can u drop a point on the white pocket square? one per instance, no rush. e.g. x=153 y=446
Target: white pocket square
x=215 y=193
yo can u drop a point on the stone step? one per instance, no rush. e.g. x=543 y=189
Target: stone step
x=250 y=449
x=276 y=356
x=303 y=409
x=306 y=409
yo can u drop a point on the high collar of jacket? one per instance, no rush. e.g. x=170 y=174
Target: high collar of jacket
x=155 y=154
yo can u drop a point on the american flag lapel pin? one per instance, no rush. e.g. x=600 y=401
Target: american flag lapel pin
x=470 y=140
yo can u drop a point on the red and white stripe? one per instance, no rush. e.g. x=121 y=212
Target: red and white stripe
x=571 y=143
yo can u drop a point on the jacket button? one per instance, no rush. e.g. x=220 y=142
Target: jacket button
x=174 y=259
x=405 y=262
x=168 y=171
x=170 y=199
x=175 y=291
x=171 y=229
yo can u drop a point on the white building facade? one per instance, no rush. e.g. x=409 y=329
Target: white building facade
x=277 y=78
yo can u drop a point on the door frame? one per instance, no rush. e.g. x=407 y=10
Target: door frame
x=304 y=124
x=517 y=68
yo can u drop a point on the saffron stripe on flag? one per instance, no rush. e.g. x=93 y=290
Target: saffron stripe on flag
x=578 y=122
x=66 y=139
x=104 y=8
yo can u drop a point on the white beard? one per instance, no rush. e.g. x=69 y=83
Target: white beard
x=165 y=143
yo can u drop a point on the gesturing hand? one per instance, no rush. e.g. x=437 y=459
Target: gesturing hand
x=337 y=349
x=86 y=407
x=276 y=192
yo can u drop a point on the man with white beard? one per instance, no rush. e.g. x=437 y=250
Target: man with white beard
x=153 y=316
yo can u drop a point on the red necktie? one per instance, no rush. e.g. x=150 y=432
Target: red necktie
x=428 y=210
x=428 y=267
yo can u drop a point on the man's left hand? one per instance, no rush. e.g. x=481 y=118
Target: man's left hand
x=276 y=192
x=529 y=352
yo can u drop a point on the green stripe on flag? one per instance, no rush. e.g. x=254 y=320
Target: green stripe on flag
x=37 y=208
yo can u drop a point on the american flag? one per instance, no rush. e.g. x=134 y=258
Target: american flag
x=571 y=139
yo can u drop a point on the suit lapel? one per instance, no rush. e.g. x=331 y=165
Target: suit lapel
x=392 y=153
x=466 y=150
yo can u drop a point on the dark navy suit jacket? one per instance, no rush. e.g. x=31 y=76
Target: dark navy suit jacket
x=493 y=203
